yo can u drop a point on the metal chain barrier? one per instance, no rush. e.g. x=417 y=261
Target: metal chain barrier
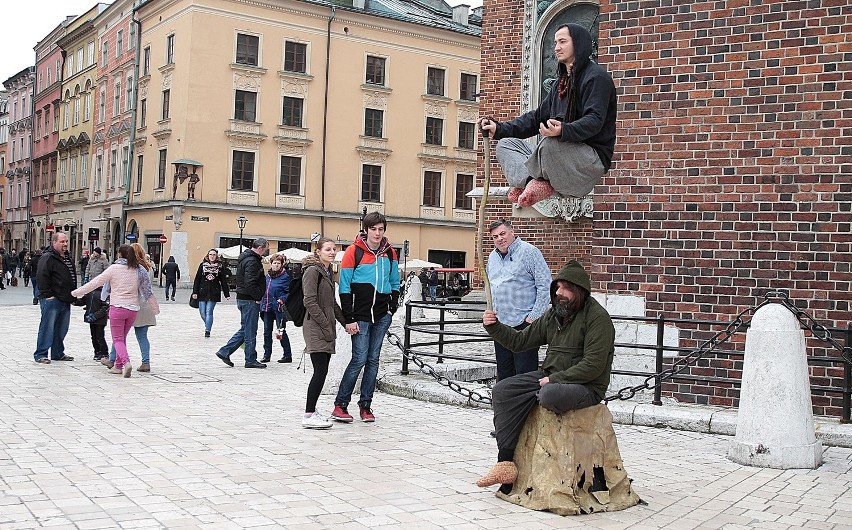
x=819 y=331
x=471 y=395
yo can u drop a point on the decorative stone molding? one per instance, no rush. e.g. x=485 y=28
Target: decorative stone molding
x=295 y=85
x=371 y=207
x=371 y=156
x=167 y=79
x=295 y=134
x=293 y=202
x=159 y=195
x=244 y=198
x=246 y=79
x=464 y=215
x=291 y=148
x=433 y=151
x=371 y=142
x=431 y=212
x=435 y=109
x=375 y=99
x=468 y=113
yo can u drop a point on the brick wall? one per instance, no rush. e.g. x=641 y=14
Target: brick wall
x=732 y=174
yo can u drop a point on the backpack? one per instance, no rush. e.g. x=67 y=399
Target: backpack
x=294 y=305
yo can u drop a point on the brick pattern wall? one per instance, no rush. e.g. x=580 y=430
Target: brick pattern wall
x=732 y=174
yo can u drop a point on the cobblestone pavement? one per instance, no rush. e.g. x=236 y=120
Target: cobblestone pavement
x=195 y=444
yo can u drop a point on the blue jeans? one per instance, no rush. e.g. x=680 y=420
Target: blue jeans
x=366 y=347
x=270 y=323
x=206 y=310
x=249 y=311
x=35 y=287
x=433 y=292
x=173 y=285
x=144 y=345
x=55 y=318
x=514 y=363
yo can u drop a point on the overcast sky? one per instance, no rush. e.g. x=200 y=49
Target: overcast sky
x=25 y=22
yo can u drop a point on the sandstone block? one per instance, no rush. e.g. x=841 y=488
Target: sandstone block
x=570 y=464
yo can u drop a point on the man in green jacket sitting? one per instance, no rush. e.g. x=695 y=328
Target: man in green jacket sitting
x=576 y=370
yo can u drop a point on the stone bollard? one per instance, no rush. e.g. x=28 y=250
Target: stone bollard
x=775 y=424
x=570 y=464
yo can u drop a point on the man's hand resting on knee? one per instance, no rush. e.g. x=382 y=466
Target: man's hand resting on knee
x=543 y=381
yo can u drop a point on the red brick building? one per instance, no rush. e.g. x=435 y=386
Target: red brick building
x=732 y=174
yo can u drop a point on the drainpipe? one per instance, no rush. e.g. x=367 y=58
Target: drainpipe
x=28 y=228
x=131 y=163
x=325 y=120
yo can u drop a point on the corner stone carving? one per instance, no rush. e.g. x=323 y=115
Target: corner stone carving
x=568 y=208
x=177 y=216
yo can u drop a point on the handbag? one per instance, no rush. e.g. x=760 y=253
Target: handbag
x=193 y=302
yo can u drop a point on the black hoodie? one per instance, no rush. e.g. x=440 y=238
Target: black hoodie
x=591 y=120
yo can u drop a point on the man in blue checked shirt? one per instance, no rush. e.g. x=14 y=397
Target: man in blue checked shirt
x=520 y=286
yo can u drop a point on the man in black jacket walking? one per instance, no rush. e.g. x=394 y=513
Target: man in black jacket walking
x=171 y=272
x=577 y=124
x=57 y=277
x=251 y=285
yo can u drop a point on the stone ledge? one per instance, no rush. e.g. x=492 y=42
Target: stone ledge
x=694 y=418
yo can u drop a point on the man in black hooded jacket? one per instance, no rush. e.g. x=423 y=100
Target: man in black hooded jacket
x=577 y=124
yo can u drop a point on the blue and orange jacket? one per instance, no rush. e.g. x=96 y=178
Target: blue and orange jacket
x=369 y=289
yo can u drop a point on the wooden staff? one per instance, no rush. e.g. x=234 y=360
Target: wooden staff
x=479 y=229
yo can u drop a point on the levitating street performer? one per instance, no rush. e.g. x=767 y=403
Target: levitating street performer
x=577 y=124
x=576 y=370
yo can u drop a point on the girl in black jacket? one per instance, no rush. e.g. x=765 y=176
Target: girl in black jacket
x=211 y=281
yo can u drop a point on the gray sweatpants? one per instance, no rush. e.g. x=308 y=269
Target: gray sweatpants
x=573 y=169
x=513 y=399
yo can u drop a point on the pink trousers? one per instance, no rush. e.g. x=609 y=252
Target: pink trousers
x=120 y=323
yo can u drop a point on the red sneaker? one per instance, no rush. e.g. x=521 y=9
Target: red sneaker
x=341 y=414
x=366 y=414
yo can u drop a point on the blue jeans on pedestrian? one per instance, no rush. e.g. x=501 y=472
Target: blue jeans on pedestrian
x=514 y=363
x=366 y=347
x=433 y=292
x=55 y=319
x=249 y=311
x=35 y=287
x=144 y=345
x=206 y=310
x=173 y=285
x=270 y=323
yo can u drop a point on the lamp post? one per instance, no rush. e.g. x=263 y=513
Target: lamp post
x=241 y=222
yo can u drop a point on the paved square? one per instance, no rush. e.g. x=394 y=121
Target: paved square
x=195 y=444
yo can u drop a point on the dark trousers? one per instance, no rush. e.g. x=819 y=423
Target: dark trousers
x=320 y=362
x=271 y=321
x=513 y=363
x=513 y=399
x=170 y=283
x=97 y=331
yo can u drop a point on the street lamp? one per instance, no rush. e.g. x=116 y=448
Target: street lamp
x=241 y=222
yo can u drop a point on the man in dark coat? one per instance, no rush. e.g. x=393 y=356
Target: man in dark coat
x=57 y=277
x=580 y=340
x=171 y=271
x=251 y=285
x=577 y=124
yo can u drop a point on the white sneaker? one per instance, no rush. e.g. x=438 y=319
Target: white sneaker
x=316 y=421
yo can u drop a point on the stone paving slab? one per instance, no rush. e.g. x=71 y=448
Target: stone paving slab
x=80 y=448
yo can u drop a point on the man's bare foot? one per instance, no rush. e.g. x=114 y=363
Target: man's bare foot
x=536 y=190
x=514 y=193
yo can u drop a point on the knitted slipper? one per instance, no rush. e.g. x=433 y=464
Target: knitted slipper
x=536 y=190
x=501 y=473
x=514 y=193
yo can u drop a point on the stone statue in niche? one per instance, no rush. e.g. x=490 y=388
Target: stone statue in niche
x=193 y=181
x=181 y=175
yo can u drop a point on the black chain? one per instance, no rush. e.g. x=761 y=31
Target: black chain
x=818 y=330
x=471 y=395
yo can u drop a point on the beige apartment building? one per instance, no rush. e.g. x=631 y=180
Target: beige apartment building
x=299 y=116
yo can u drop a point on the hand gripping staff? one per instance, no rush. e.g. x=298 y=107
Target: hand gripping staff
x=479 y=228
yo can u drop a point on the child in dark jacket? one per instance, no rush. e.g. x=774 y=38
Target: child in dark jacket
x=96 y=315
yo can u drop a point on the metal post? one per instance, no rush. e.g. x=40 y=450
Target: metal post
x=847 y=381
x=658 y=389
x=441 y=335
x=407 y=343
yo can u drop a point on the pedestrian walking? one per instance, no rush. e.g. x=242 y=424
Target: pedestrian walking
x=96 y=313
x=171 y=272
x=127 y=279
x=84 y=265
x=57 y=279
x=27 y=269
x=319 y=327
x=433 y=284
x=98 y=263
x=211 y=282
x=13 y=268
x=251 y=284
x=34 y=263
x=272 y=309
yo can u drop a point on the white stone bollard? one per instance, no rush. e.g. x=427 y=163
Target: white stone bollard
x=775 y=424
